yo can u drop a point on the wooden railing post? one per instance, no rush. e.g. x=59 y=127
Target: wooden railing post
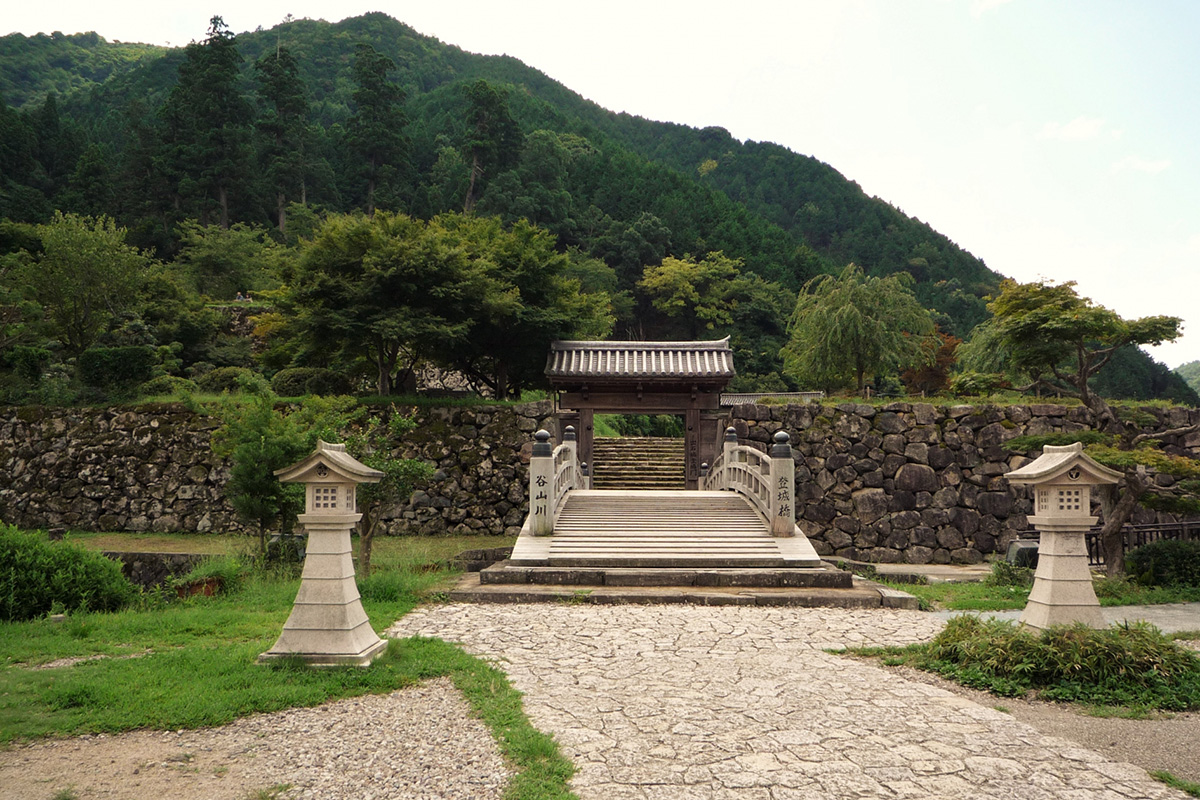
x=541 y=485
x=572 y=446
x=730 y=448
x=783 y=487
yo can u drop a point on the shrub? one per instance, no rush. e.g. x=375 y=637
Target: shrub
x=221 y=379
x=28 y=362
x=976 y=384
x=166 y=384
x=229 y=571
x=37 y=576
x=1167 y=562
x=1119 y=665
x=1006 y=574
x=116 y=369
x=299 y=381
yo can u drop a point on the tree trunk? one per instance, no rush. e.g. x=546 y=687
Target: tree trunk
x=501 y=381
x=223 y=199
x=1111 y=535
x=366 y=540
x=384 y=380
x=371 y=188
x=476 y=170
x=281 y=206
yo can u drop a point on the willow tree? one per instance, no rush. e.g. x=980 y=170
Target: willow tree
x=1064 y=340
x=853 y=326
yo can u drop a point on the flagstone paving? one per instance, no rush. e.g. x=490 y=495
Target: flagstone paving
x=697 y=702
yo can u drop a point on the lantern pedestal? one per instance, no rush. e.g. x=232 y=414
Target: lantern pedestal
x=1062 y=586
x=328 y=626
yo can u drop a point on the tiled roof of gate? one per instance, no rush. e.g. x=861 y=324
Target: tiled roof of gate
x=641 y=360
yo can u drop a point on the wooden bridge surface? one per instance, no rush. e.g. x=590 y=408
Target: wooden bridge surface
x=664 y=528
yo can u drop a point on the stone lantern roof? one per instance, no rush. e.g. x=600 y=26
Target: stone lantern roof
x=329 y=463
x=1066 y=464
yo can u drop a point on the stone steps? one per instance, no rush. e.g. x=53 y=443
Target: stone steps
x=661 y=530
x=637 y=463
x=823 y=577
x=618 y=589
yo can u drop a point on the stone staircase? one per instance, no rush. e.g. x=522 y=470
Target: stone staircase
x=637 y=463
x=659 y=530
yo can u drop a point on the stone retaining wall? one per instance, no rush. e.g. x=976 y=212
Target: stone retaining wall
x=910 y=483
x=151 y=468
x=918 y=483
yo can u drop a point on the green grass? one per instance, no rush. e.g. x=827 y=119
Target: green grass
x=1175 y=783
x=193 y=664
x=387 y=551
x=988 y=596
x=967 y=596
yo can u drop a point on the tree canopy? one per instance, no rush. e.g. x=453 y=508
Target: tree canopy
x=851 y=326
x=1063 y=340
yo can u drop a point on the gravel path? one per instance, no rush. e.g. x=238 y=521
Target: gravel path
x=728 y=702
x=418 y=743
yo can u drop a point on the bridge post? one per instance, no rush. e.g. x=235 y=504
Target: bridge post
x=573 y=456
x=730 y=444
x=541 y=485
x=783 y=487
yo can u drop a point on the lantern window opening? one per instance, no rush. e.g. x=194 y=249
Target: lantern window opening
x=325 y=497
x=1070 y=500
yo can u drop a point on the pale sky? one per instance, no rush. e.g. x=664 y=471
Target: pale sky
x=1053 y=139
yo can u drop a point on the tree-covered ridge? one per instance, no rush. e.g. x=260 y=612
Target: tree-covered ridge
x=789 y=217
x=33 y=67
x=233 y=160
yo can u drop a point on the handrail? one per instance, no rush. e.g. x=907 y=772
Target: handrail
x=553 y=473
x=566 y=474
x=767 y=480
x=746 y=471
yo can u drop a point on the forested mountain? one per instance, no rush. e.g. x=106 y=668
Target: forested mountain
x=275 y=129
x=787 y=216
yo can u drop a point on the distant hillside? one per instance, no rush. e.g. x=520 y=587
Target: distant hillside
x=1190 y=373
x=36 y=66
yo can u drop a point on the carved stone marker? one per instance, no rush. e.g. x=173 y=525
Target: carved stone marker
x=328 y=626
x=1062 y=593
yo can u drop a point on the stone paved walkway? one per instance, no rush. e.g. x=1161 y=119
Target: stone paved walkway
x=658 y=702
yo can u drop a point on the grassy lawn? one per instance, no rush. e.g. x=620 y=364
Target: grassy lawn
x=388 y=551
x=174 y=664
x=988 y=596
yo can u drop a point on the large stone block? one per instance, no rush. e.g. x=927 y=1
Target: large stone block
x=870 y=504
x=997 y=504
x=916 y=478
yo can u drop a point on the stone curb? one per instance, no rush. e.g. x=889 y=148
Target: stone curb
x=865 y=594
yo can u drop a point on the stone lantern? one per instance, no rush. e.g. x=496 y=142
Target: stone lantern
x=328 y=626
x=1062 y=479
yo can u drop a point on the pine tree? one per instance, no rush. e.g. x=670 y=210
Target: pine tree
x=281 y=125
x=376 y=129
x=207 y=124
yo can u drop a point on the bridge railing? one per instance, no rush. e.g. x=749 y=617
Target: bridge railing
x=553 y=473
x=767 y=480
